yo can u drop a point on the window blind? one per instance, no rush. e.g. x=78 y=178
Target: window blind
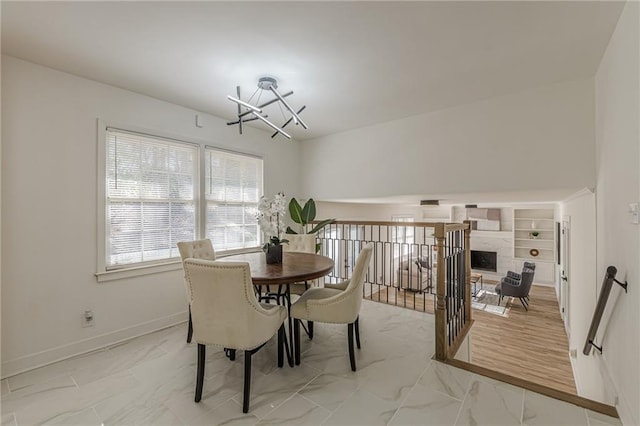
x=151 y=186
x=233 y=187
x=404 y=235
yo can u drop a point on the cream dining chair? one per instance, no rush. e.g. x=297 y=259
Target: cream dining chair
x=226 y=312
x=338 y=305
x=301 y=243
x=198 y=249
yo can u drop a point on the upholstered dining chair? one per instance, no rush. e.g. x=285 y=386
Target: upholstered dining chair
x=301 y=243
x=198 y=249
x=226 y=312
x=334 y=305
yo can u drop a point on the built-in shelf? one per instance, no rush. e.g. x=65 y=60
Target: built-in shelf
x=540 y=221
x=492 y=234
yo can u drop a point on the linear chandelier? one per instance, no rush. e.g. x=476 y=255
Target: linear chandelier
x=249 y=112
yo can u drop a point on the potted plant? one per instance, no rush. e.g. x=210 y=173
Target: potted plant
x=534 y=234
x=270 y=218
x=305 y=215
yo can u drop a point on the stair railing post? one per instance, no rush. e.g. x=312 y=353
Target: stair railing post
x=441 y=319
x=467 y=263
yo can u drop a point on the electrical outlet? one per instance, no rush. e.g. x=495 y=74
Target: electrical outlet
x=573 y=353
x=633 y=213
x=88 y=319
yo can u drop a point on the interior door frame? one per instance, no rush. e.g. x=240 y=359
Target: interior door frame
x=565 y=271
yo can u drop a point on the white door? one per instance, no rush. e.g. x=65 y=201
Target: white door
x=565 y=272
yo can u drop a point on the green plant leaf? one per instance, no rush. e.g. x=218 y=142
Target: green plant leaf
x=290 y=231
x=295 y=210
x=309 y=211
x=321 y=225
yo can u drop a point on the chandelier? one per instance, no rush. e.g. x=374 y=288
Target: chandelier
x=251 y=112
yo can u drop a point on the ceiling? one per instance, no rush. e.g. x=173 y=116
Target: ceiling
x=351 y=63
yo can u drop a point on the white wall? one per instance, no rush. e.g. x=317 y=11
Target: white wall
x=361 y=211
x=0 y=210
x=617 y=91
x=522 y=141
x=49 y=223
x=583 y=294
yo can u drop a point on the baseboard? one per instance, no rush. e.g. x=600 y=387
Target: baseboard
x=576 y=377
x=50 y=356
x=624 y=411
x=623 y=406
x=543 y=284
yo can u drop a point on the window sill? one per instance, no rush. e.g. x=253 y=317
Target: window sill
x=124 y=273
x=173 y=265
x=238 y=251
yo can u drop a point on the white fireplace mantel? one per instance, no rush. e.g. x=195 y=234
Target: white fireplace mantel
x=499 y=241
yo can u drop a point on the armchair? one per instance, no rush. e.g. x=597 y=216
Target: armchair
x=517 y=285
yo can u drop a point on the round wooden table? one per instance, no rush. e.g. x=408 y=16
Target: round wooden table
x=295 y=267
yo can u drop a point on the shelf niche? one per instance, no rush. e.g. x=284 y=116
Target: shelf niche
x=540 y=247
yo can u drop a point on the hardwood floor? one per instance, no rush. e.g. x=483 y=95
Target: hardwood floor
x=529 y=345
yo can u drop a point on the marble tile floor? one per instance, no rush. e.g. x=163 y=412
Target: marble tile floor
x=150 y=380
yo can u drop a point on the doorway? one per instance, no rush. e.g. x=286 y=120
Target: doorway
x=565 y=267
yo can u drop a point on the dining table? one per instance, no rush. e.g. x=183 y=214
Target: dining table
x=295 y=267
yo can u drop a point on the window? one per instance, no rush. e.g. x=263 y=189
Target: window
x=151 y=199
x=233 y=187
x=402 y=235
x=159 y=191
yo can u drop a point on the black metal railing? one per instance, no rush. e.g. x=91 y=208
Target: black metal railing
x=456 y=298
x=418 y=265
x=402 y=271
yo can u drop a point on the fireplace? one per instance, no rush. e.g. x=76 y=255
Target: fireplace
x=484 y=260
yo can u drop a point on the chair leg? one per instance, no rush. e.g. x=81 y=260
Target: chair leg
x=357 y=327
x=247 y=381
x=200 y=373
x=352 y=356
x=308 y=329
x=281 y=346
x=230 y=353
x=296 y=340
x=190 y=331
x=523 y=303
